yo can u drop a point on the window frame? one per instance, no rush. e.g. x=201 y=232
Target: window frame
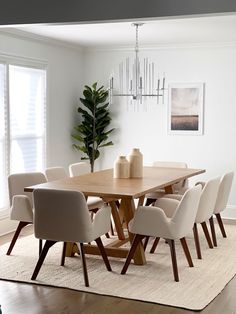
x=26 y=62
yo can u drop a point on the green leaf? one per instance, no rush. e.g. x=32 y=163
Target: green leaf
x=88 y=88
x=78 y=137
x=94 y=86
x=97 y=154
x=106 y=144
x=88 y=104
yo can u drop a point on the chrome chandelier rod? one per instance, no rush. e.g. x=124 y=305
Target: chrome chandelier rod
x=138 y=79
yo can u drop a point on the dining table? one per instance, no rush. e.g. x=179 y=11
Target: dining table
x=129 y=192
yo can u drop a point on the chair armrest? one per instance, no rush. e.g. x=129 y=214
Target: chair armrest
x=150 y=221
x=176 y=197
x=201 y=183
x=168 y=205
x=21 y=209
x=101 y=222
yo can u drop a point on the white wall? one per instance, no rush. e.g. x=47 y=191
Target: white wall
x=214 y=151
x=65 y=82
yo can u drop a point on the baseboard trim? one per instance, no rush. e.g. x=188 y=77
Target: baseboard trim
x=229 y=221
x=229 y=213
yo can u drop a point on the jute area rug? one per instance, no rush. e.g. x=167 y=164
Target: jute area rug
x=152 y=282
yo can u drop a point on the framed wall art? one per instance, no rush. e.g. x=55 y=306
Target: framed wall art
x=185 y=108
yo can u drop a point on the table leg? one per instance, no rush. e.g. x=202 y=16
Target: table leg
x=117 y=222
x=70 y=252
x=169 y=189
x=128 y=207
x=141 y=200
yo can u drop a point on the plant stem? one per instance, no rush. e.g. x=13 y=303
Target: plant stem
x=92 y=165
x=92 y=161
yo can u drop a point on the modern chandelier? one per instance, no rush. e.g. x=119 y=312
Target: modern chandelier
x=138 y=80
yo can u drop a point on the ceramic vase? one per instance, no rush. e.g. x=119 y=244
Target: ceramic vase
x=121 y=168
x=136 y=163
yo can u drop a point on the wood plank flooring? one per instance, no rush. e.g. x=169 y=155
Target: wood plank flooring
x=17 y=298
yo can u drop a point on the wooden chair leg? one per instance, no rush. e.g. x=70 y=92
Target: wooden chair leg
x=196 y=240
x=42 y=256
x=20 y=226
x=154 y=246
x=149 y=201
x=132 y=250
x=173 y=258
x=220 y=222
x=86 y=280
x=186 y=251
x=40 y=246
x=145 y=243
x=103 y=253
x=63 y=255
x=207 y=235
x=213 y=233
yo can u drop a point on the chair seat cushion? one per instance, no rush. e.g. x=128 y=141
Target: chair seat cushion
x=161 y=193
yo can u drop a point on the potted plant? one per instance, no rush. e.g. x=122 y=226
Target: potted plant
x=92 y=133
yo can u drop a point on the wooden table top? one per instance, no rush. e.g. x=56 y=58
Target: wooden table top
x=103 y=184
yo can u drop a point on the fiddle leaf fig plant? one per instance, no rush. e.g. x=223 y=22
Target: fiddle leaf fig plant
x=92 y=133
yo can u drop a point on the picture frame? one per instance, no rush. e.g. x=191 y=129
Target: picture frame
x=185 y=108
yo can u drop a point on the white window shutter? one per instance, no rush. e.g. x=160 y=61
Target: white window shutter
x=22 y=123
x=27 y=118
x=3 y=139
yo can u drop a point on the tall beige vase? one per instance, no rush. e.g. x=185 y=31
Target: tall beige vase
x=136 y=163
x=121 y=168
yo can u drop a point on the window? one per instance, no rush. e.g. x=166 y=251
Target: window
x=22 y=122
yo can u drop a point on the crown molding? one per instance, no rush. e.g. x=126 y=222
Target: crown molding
x=17 y=33
x=196 y=45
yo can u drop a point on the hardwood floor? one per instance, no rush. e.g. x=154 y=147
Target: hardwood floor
x=17 y=298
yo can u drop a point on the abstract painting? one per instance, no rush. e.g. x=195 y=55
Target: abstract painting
x=185 y=108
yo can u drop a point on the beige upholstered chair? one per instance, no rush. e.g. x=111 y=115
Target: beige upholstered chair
x=152 y=221
x=62 y=215
x=55 y=173
x=205 y=210
x=22 y=202
x=79 y=169
x=93 y=202
x=221 y=203
x=204 y=213
x=179 y=187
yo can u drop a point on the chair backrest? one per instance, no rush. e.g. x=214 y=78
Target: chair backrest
x=79 y=169
x=17 y=182
x=223 y=192
x=55 y=173
x=61 y=215
x=185 y=214
x=173 y=164
x=208 y=200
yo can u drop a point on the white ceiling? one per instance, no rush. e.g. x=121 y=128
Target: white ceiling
x=159 y=32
